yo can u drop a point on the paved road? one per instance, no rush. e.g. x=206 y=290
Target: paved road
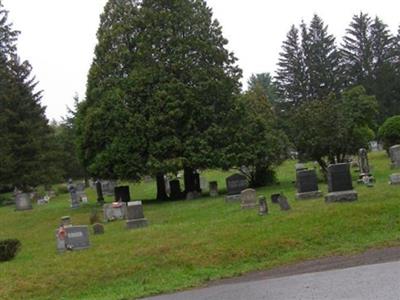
x=371 y=282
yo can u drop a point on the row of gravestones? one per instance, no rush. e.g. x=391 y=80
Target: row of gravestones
x=76 y=237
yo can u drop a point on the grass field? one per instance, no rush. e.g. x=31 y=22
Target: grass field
x=191 y=242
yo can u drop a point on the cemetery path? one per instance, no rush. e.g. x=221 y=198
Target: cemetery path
x=374 y=274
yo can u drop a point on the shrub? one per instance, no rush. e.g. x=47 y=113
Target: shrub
x=8 y=249
x=389 y=132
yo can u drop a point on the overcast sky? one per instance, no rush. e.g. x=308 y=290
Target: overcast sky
x=58 y=36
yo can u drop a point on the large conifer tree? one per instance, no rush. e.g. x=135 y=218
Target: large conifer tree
x=172 y=92
x=24 y=132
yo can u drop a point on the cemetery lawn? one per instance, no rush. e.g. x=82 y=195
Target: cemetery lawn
x=189 y=243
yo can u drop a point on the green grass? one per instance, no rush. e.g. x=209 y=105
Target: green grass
x=191 y=242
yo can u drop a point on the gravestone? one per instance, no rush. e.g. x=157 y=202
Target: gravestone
x=248 y=198
x=307 y=185
x=99 y=191
x=77 y=237
x=283 y=202
x=363 y=163
x=275 y=198
x=167 y=185
x=98 y=229
x=73 y=194
x=23 y=202
x=203 y=183
x=365 y=176
x=213 y=187
x=395 y=179
x=135 y=215
x=340 y=185
x=300 y=167
x=394 y=152
x=66 y=221
x=262 y=206
x=114 y=211
x=108 y=187
x=122 y=194
x=235 y=184
x=175 y=190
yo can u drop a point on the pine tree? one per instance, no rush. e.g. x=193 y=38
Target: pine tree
x=291 y=73
x=321 y=60
x=368 y=55
x=24 y=129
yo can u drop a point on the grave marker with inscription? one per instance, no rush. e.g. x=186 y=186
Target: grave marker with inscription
x=340 y=185
x=235 y=184
x=307 y=185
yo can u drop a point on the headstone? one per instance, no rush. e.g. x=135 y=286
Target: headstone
x=363 y=162
x=167 y=185
x=263 y=206
x=23 y=202
x=108 y=187
x=395 y=156
x=175 y=190
x=395 y=179
x=73 y=194
x=275 y=198
x=300 y=167
x=99 y=191
x=135 y=216
x=283 y=202
x=365 y=176
x=203 y=183
x=66 y=221
x=77 y=237
x=197 y=184
x=114 y=211
x=340 y=186
x=307 y=185
x=235 y=184
x=248 y=199
x=122 y=194
x=213 y=189
x=98 y=229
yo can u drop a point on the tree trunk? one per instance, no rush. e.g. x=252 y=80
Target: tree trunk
x=161 y=193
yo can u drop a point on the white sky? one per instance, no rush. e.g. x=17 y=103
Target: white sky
x=58 y=36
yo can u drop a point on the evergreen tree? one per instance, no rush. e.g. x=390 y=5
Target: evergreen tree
x=368 y=55
x=24 y=132
x=321 y=59
x=164 y=108
x=265 y=81
x=291 y=73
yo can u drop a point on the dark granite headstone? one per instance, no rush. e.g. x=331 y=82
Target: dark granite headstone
x=99 y=190
x=306 y=181
x=339 y=178
x=275 y=198
x=175 y=190
x=235 y=184
x=122 y=194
